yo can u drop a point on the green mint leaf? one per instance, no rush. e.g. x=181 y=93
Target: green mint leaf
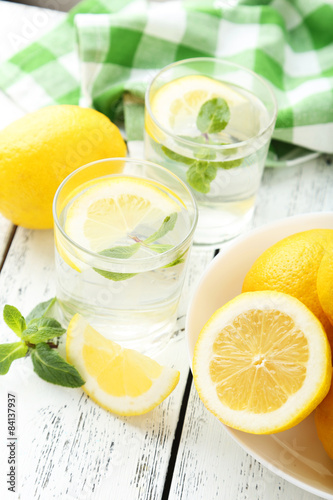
x=176 y=157
x=41 y=309
x=14 y=319
x=114 y=276
x=50 y=366
x=42 y=330
x=10 y=352
x=159 y=247
x=205 y=154
x=167 y=225
x=180 y=259
x=204 y=139
x=213 y=116
x=200 y=175
x=228 y=164
x=124 y=252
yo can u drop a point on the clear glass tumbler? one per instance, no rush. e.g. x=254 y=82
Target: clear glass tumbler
x=123 y=233
x=210 y=122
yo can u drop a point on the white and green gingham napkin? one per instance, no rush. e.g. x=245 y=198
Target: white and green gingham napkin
x=288 y=42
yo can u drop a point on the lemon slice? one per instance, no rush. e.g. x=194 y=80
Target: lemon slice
x=262 y=362
x=113 y=207
x=178 y=103
x=120 y=380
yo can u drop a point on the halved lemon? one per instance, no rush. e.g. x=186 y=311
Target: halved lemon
x=262 y=362
x=120 y=380
x=176 y=104
x=113 y=207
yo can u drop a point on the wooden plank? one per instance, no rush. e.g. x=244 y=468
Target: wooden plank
x=68 y=446
x=209 y=464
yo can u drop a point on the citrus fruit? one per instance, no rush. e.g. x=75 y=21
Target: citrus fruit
x=39 y=150
x=325 y=283
x=291 y=266
x=262 y=362
x=324 y=422
x=176 y=104
x=120 y=380
x=113 y=207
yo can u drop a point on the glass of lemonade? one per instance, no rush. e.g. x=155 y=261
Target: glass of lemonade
x=123 y=233
x=210 y=122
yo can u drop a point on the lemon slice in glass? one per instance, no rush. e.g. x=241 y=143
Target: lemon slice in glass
x=176 y=104
x=120 y=380
x=112 y=208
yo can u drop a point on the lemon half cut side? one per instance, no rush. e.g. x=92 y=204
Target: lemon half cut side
x=120 y=380
x=262 y=362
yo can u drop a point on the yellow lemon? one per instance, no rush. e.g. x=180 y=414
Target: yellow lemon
x=262 y=363
x=39 y=150
x=325 y=283
x=120 y=380
x=292 y=266
x=324 y=422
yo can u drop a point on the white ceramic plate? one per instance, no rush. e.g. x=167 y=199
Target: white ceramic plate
x=297 y=454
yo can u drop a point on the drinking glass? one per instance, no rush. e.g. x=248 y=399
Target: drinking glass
x=224 y=167
x=123 y=270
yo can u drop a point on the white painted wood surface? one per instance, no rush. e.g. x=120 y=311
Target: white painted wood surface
x=68 y=447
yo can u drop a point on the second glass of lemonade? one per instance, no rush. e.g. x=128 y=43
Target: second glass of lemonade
x=210 y=122
x=123 y=233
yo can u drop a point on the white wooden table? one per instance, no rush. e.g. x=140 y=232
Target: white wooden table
x=68 y=447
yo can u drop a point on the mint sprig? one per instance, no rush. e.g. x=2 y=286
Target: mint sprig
x=125 y=252
x=10 y=352
x=212 y=118
x=14 y=319
x=37 y=332
x=50 y=366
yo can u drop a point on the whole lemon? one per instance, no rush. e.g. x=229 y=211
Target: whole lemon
x=291 y=266
x=324 y=422
x=325 y=283
x=39 y=150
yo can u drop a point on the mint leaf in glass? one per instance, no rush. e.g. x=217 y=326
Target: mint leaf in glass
x=10 y=352
x=50 y=366
x=42 y=330
x=200 y=175
x=176 y=157
x=167 y=225
x=205 y=154
x=179 y=260
x=159 y=247
x=125 y=252
x=41 y=309
x=14 y=319
x=114 y=276
x=228 y=164
x=121 y=252
x=213 y=116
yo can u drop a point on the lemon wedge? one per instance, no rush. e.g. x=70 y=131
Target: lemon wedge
x=262 y=363
x=177 y=104
x=120 y=380
x=113 y=207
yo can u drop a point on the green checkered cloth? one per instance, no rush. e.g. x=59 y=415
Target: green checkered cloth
x=125 y=42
